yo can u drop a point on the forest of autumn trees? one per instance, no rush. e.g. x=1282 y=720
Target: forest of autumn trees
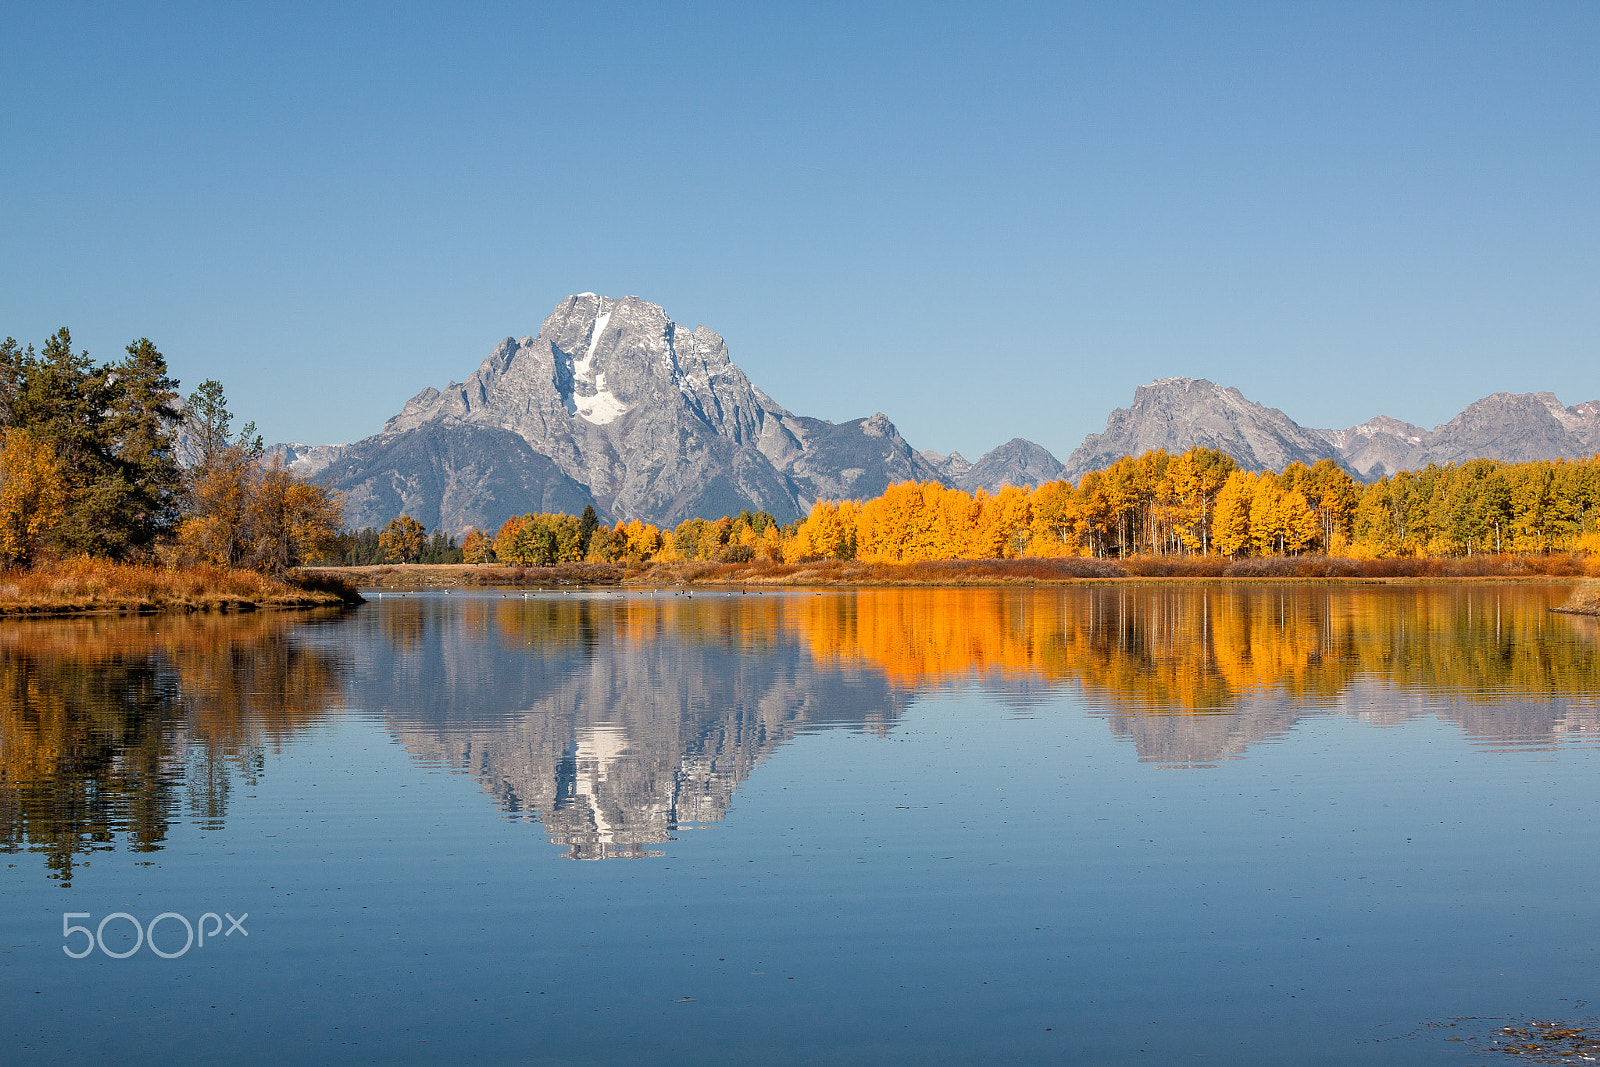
x=107 y=461
x=1198 y=503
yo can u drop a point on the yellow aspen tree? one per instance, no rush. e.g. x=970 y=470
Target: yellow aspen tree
x=1301 y=524
x=771 y=546
x=948 y=533
x=887 y=526
x=1092 y=514
x=849 y=523
x=929 y=529
x=868 y=537
x=1266 y=526
x=653 y=541
x=32 y=502
x=1197 y=477
x=827 y=533
x=1230 y=522
x=475 y=547
x=807 y=544
x=215 y=530
x=402 y=540
x=1051 y=529
x=505 y=541
x=289 y=520
x=1006 y=518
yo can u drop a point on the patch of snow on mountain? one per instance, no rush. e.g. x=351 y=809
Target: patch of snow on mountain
x=600 y=324
x=604 y=406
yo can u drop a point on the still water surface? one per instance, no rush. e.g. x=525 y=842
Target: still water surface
x=1215 y=824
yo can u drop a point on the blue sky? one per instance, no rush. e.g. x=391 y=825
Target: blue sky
x=984 y=220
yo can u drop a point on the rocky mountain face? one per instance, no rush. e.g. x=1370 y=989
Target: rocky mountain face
x=612 y=404
x=1180 y=413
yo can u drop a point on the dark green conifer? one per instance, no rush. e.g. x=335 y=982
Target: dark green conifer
x=143 y=428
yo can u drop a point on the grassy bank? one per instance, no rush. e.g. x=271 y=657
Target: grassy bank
x=1028 y=571
x=1585 y=600
x=83 y=584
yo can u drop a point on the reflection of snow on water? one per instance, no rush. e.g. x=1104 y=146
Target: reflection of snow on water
x=599 y=748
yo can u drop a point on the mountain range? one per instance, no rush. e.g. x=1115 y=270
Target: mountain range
x=1179 y=413
x=615 y=406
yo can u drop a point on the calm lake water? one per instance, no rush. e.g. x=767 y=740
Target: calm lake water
x=1214 y=824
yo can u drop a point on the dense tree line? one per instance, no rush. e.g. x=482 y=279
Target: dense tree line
x=544 y=540
x=1200 y=503
x=369 y=546
x=1196 y=503
x=107 y=460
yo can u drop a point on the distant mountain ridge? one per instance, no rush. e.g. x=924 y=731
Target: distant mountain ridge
x=1513 y=427
x=1181 y=413
x=613 y=405
x=1017 y=462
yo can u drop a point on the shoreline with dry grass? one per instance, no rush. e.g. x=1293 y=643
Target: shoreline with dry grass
x=84 y=585
x=1004 y=572
x=1585 y=601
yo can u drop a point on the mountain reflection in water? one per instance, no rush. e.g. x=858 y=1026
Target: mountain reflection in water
x=616 y=717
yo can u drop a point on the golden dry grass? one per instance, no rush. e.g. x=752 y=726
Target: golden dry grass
x=84 y=584
x=1585 y=600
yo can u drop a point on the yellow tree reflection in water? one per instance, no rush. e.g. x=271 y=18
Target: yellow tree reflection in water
x=1241 y=662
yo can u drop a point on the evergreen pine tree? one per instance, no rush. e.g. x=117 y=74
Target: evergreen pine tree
x=586 y=528
x=143 y=429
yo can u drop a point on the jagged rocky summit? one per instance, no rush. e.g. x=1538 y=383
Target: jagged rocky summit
x=1181 y=413
x=612 y=405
